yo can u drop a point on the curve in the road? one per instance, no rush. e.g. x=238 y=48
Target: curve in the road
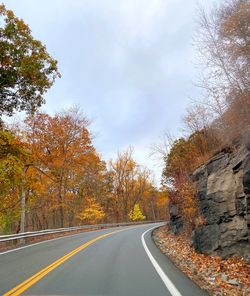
x=115 y=264
x=39 y=275
x=167 y=282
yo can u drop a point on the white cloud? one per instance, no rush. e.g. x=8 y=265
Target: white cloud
x=127 y=63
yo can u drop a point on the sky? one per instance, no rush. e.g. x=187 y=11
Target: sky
x=128 y=64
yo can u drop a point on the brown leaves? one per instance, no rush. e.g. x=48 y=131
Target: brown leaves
x=228 y=277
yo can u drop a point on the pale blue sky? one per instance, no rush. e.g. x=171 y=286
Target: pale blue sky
x=127 y=63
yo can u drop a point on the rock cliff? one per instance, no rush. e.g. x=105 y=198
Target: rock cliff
x=224 y=201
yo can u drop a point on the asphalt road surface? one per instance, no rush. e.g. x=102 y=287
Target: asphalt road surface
x=118 y=261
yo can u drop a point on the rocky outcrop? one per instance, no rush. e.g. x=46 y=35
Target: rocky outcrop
x=175 y=222
x=224 y=201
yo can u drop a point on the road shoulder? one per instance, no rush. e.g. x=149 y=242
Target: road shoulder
x=218 y=277
x=184 y=285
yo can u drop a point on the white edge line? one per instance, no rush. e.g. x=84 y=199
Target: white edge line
x=167 y=282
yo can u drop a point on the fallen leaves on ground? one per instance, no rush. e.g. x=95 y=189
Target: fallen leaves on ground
x=229 y=277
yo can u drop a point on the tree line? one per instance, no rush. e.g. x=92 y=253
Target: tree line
x=52 y=165
x=50 y=172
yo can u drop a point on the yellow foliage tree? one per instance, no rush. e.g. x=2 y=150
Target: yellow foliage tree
x=135 y=214
x=92 y=213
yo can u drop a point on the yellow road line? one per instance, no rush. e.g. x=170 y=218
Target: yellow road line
x=39 y=275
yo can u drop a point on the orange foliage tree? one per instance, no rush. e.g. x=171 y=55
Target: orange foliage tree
x=65 y=159
x=131 y=186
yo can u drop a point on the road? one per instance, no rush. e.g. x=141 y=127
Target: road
x=118 y=261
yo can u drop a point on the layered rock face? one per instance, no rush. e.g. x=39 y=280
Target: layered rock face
x=224 y=199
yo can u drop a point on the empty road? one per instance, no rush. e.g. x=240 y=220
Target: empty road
x=118 y=261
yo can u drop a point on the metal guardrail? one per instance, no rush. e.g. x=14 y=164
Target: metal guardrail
x=12 y=237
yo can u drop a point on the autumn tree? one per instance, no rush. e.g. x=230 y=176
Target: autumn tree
x=223 y=44
x=135 y=214
x=92 y=213
x=154 y=202
x=129 y=181
x=27 y=71
x=65 y=152
x=124 y=171
x=56 y=178
x=13 y=155
x=132 y=185
x=184 y=157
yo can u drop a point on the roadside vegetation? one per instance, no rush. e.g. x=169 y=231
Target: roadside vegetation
x=50 y=169
x=219 y=120
x=50 y=172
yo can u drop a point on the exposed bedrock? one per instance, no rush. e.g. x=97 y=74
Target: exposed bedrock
x=224 y=200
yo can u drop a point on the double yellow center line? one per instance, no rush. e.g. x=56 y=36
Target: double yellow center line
x=39 y=275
